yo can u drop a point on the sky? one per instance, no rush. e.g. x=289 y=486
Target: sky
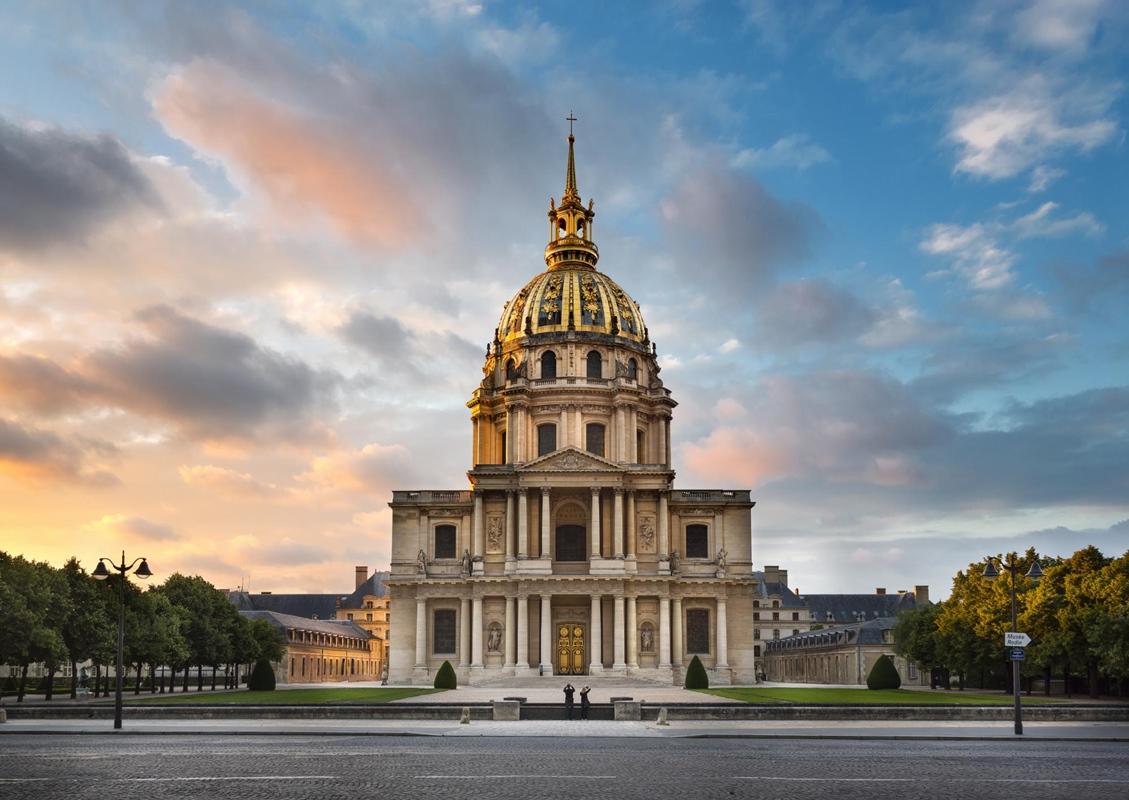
x=251 y=256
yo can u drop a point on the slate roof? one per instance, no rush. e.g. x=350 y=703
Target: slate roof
x=840 y=609
x=373 y=586
x=869 y=632
x=310 y=606
x=775 y=589
x=334 y=627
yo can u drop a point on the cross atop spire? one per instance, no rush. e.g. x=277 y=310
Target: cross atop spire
x=571 y=191
x=571 y=119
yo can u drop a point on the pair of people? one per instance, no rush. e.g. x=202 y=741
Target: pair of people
x=569 y=691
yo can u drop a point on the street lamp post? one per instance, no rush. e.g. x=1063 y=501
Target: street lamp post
x=101 y=573
x=1035 y=572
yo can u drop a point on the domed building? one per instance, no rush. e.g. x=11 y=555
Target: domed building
x=571 y=553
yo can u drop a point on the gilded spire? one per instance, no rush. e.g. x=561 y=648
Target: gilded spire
x=570 y=175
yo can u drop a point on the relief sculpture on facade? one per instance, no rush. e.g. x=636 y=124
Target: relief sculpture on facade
x=495 y=534
x=647 y=534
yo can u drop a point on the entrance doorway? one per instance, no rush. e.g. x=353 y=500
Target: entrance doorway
x=570 y=649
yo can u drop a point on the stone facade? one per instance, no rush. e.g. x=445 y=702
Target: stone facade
x=571 y=553
x=317 y=651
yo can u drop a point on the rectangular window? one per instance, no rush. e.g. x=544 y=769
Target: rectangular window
x=756 y=616
x=444 y=632
x=445 y=536
x=594 y=438
x=368 y=617
x=756 y=633
x=795 y=615
x=757 y=651
x=776 y=633
x=348 y=616
x=504 y=459
x=697 y=541
x=697 y=630
x=546 y=439
x=776 y=615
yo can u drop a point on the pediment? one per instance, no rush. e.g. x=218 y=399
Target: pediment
x=570 y=459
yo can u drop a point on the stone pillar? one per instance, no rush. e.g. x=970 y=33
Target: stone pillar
x=660 y=439
x=666 y=441
x=664 y=527
x=424 y=539
x=522 y=632
x=617 y=522
x=547 y=634
x=509 y=637
x=633 y=434
x=464 y=633
x=596 y=641
x=664 y=632
x=421 y=632
x=676 y=644
x=479 y=525
x=510 y=527
x=722 y=635
x=476 y=633
x=522 y=523
x=508 y=456
x=631 y=524
x=618 y=661
x=595 y=532
x=546 y=524
x=632 y=634
x=620 y=438
x=562 y=430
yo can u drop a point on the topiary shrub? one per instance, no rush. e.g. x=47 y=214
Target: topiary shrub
x=262 y=677
x=883 y=675
x=445 y=678
x=696 y=677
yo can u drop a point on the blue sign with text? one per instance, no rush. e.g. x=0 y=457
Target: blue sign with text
x=1017 y=654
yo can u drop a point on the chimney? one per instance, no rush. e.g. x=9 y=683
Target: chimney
x=921 y=595
x=362 y=575
x=880 y=590
x=783 y=577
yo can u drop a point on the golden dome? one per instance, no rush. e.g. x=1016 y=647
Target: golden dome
x=566 y=299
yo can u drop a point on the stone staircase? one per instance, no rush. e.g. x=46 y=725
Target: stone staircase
x=553 y=681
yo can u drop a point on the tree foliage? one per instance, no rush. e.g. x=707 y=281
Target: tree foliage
x=445 y=678
x=883 y=675
x=696 y=677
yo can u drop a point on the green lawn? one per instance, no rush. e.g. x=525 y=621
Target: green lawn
x=327 y=696
x=878 y=696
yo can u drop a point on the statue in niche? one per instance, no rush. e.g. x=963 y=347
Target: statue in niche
x=494 y=638
x=495 y=535
x=647 y=535
x=647 y=638
x=421 y=562
x=721 y=554
x=674 y=560
x=465 y=563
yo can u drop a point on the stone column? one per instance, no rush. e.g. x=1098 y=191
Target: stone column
x=522 y=523
x=421 y=632
x=509 y=633
x=618 y=661
x=546 y=524
x=666 y=442
x=522 y=632
x=476 y=633
x=660 y=439
x=562 y=431
x=664 y=632
x=464 y=633
x=595 y=533
x=508 y=455
x=617 y=522
x=664 y=527
x=633 y=434
x=424 y=539
x=547 y=634
x=632 y=634
x=676 y=644
x=631 y=524
x=596 y=641
x=718 y=531
x=620 y=430
x=722 y=635
x=479 y=524
x=510 y=527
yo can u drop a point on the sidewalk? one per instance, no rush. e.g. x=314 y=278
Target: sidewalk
x=1066 y=731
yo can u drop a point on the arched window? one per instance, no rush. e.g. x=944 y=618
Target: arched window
x=697 y=541
x=633 y=369
x=594 y=438
x=511 y=369
x=546 y=438
x=595 y=365
x=445 y=546
x=698 y=630
x=548 y=364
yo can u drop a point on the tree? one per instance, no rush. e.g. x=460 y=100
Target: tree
x=32 y=630
x=915 y=636
x=883 y=675
x=87 y=627
x=696 y=677
x=205 y=638
x=262 y=677
x=445 y=678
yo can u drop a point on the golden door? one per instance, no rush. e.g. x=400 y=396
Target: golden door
x=570 y=650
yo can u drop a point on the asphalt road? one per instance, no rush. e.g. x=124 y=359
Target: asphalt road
x=279 y=767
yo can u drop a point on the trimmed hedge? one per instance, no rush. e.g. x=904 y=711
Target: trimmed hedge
x=445 y=678
x=696 y=677
x=262 y=677
x=883 y=675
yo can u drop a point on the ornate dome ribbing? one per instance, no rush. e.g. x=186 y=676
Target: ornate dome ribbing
x=572 y=298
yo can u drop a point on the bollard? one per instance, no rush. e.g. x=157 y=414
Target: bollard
x=465 y=718
x=662 y=717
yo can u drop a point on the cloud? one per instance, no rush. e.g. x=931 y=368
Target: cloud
x=226 y=481
x=374 y=469
x=977 y=256
x=1059 y=27
x=810 y=311
x=36 y=455
x=56 y=186
x=135 y=528
x=1042 y=223
x=41 y=387
x=797 y=151
x=1106 y=281
x=1042 y=177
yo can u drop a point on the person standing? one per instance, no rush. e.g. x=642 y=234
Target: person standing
x=584 y=704
x=569 y=690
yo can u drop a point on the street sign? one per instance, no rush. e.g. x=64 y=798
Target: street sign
x=1013 y=639
x=1018 y=654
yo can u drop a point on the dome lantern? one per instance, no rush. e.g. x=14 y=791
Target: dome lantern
x=570 y=223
